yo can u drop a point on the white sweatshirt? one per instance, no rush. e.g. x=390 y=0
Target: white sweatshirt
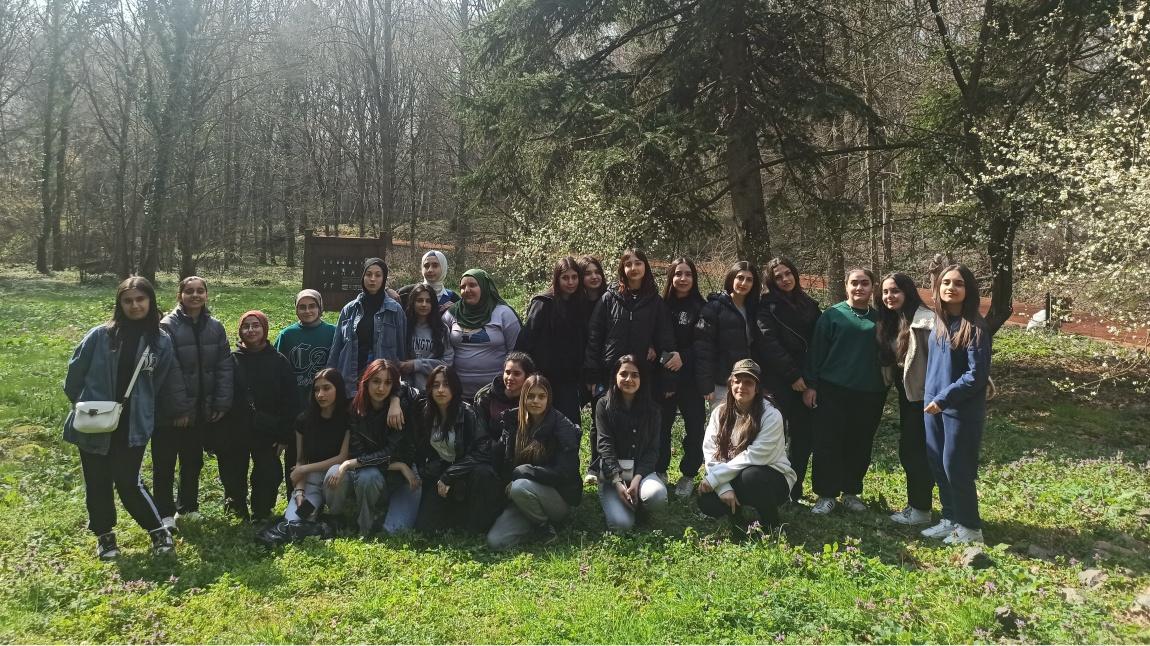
x=769 y=449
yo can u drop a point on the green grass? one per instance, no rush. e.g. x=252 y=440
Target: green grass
x=1059 y=472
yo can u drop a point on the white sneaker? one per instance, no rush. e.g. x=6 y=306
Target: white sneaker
x=911 y=516
x=591 y=478
x=941 y=530
x=169 y=523
x=963 y=535
x=853 y=502
x=824 y=506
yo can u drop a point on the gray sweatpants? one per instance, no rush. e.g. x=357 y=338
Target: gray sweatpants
x=530 y=504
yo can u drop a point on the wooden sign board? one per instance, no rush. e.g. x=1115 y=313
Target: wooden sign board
x=333 y=266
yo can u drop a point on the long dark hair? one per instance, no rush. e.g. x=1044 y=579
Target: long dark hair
x=529 y=450
x=361 y=405
x=893 y=328
x=669 y=289
x=769 y=283
x=973 y=326
x=737 y=430
x=565 y=264
x=642 y=400
x=430 y=413
x=332 y=376
x=151 y=321
x=756 y=285
x=434 y=320
x=577 y=303
x=584 y=263
x=648 y=284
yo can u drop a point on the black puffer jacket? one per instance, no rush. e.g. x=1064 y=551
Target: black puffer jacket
x=554 y=335
x=722 y=337
x=684 y=313
x=626 y=434
x=560 y=469
x=490 y=403
x=626 y=325
x=472 y=448
x=374 y=443
x=265 y=398
x=204 y=359
x=785 y=329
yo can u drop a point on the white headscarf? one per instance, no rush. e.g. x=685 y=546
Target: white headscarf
x=437 y=286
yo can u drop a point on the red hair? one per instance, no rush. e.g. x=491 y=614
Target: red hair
x=361 y=405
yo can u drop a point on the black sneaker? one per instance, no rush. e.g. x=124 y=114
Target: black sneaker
x=106 y=548
x=546 y=534
x=162 y=542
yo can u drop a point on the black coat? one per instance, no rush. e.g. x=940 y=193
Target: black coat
x=560 y=469
x=472 y=448
x=684 y=315
x=374 y=443
x=721 y=339
x=785 y=330
x=626 y=434
x=205 y=362
x=265 y=402
x=554 y=335
x=490 y=403
x=624 y=325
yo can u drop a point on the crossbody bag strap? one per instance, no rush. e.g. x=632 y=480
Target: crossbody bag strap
x=139 y=366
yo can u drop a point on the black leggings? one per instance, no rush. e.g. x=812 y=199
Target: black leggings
x=116 y=472
x=265 y=478
x=912 y=451
x=186 y=445
x=690 y=403
x=799 y=434
x=756 y=486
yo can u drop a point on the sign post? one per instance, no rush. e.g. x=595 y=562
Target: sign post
x=333 y=266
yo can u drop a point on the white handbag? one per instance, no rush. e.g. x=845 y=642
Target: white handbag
x=104 y=416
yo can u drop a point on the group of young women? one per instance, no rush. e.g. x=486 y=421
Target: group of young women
x=425 y=409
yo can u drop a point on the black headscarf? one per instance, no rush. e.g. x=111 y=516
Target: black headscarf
x=365 y=330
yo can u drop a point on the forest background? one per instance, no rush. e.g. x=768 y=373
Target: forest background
x=139 y=136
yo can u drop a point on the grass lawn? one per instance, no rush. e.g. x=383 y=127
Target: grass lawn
x=1065 y=488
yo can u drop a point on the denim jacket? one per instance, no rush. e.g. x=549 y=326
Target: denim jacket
x=390 y=339
x=92 y=377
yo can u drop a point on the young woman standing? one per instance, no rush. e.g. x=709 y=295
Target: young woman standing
x=554 y=334
x=628 y=426
x=594 y=286
x=846 y=390
x=903 y=338
x=745 y=448
x=538 y=455
x=684 y=302
x=321 y=436
x=204 y=359
x=482 y=328
x=433 y=266
x=380 y=458
x=726 y=331
x=460 y=487
x=427 y=342
x=370 y=327
x=957 y=375
x=630 y=318
x=131 y=350
x=260 y=422
x=786 y=321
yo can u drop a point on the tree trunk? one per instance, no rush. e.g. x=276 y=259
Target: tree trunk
x=1000 y=248
x=741 y=157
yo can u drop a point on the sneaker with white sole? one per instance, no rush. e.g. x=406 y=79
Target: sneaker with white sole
x=824 y=506
x=685 y=487
x=162 y=543
x=941 y=530
x=591 y=478
x=911 y=516
x=169 y=523
x=853 y=502
x=106 y=548
x=963 y=535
